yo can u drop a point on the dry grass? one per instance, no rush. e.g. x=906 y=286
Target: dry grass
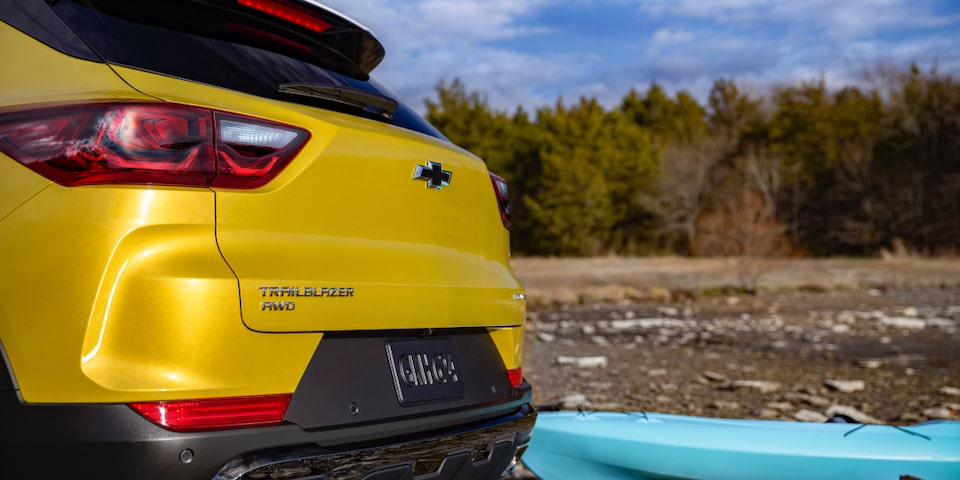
x=552 y=281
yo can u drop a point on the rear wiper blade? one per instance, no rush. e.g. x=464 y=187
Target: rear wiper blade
x=380 y=104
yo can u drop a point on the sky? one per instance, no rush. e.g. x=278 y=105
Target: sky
x=532 y=52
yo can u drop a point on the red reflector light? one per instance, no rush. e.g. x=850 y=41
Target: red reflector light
x=215 y=413
x=516 y=376
x=503 y=198
x=288 y=12
x=148 y=143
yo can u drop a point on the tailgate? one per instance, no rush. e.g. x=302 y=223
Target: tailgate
x=348 y=239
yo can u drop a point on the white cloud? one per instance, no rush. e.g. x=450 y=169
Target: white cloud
x=666 y=36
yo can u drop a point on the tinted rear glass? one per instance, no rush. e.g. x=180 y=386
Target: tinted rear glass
x=218 y=62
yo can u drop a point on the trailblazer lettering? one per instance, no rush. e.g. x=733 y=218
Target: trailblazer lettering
x=306 y=292
x=420 y=369
x=286 y=306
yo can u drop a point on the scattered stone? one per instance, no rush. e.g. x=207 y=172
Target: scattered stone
x=573 y=401
x=951 y=391
x=762 y=386
x=598 y=385
x=663 y=399
x=768 y=414
x=598 y=340
x=804 y=415
x=781 y=406
x=851 y=413
x=733 y=300
x=845 y=386
x=941 y=323
x=566 y=342
x=715 y=377
x=940 y=413
x=871 y=363
x=643 y=323
x=809 y=399
x=903 y=322
x=910 y=312
x=840 y=328
x=657 y=372
x=589 y=330
x=546 y=337
x=583 y=362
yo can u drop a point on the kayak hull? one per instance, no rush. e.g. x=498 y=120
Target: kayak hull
x=610 y=446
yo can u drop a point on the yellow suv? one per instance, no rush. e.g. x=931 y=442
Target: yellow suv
x=227 y=253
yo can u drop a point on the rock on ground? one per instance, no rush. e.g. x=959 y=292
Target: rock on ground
x=851 y=413
x=761 y=386
x=804 y=415
x=845 y=386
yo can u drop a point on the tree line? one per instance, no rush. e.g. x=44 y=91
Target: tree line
x=800 y=170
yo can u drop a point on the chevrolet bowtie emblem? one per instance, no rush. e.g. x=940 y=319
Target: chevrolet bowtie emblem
x=434 y=174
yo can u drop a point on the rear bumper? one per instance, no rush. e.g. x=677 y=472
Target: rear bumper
x=113 y=441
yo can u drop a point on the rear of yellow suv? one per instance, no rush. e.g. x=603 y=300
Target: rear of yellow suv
x=227 y=252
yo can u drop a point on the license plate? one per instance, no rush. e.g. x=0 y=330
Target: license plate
x=425 y=371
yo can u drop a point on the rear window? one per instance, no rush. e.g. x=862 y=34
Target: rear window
x=192 y=41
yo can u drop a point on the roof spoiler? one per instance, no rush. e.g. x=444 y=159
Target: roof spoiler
x=371 y=51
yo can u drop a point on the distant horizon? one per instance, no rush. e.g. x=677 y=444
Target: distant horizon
x=530 y=53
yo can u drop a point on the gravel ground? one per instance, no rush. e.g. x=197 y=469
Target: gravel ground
x=873 y=340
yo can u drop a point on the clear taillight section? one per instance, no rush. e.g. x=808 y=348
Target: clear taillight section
x=216 y=413
x=503 y=198
x=148 y=143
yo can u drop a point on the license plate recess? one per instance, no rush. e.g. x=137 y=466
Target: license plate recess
x=425 y=370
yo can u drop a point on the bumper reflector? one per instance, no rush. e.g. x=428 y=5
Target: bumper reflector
x=215 y=413
x=516 y=376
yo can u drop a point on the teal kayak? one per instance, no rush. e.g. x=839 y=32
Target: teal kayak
x=608 y=446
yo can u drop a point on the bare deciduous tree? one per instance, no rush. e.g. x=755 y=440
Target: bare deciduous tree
x=680 y=189
x=745 y=228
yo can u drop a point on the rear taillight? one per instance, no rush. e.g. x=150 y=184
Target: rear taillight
x=148 y=143
x=216 y=413
x=503 y=198
x=516 y=376
x=289 y=12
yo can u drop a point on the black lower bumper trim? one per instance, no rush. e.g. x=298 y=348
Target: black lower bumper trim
x=482 y=452
x=113 y=441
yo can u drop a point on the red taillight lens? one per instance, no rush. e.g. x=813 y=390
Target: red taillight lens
x=516 y=376
x=216 y=413
x=503 y=198
x=148 y=143
x=288 y=12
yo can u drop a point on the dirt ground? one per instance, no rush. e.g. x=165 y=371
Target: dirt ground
x=869 y=339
